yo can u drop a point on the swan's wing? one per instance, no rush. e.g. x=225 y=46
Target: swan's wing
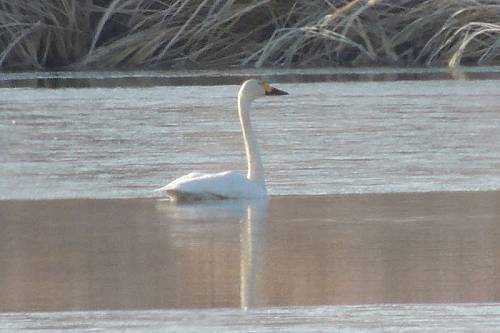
x=222 y=185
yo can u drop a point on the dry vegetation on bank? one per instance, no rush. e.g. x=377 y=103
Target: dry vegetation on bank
x=213 y=33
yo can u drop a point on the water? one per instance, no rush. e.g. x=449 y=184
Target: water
x=345 y=263
x=345 y=319
x=324 y=138
x=378 y=207
x=59 y=255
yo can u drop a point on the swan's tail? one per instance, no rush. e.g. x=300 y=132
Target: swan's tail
x=162 y=190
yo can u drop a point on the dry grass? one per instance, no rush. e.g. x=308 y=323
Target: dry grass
x=389 y=32
x=182 y=33
x=208 y=33
x=40 y=34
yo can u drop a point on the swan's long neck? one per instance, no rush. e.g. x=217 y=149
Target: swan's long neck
x=255 y=168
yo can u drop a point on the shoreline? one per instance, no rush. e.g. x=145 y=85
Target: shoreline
x=219 y=77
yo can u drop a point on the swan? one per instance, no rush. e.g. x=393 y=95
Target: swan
x=230 y=184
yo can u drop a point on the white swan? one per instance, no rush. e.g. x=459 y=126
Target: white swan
x=230 y=184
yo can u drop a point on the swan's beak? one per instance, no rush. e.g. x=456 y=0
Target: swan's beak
x=271 y=91
x=275 y=92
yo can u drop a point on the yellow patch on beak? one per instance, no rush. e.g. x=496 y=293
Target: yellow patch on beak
x=267 y=87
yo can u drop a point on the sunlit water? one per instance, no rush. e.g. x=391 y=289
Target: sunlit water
x=345 y=319
x=324 y=138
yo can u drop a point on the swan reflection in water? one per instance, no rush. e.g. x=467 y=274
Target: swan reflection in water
x=252 y=237
x=193 y=221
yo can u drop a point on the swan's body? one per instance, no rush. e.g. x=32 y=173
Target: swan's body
x=230 y=184
x=223 y=185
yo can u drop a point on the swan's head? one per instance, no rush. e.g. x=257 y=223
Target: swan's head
x=252 y=89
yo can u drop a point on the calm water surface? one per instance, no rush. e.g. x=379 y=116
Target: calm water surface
x=349 y=263
x=291 y=251
x=324 y=138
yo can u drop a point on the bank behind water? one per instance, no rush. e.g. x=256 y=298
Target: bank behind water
x=228 y=33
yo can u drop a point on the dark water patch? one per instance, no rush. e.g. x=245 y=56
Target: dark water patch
x=59 y=255
x=54 y=80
